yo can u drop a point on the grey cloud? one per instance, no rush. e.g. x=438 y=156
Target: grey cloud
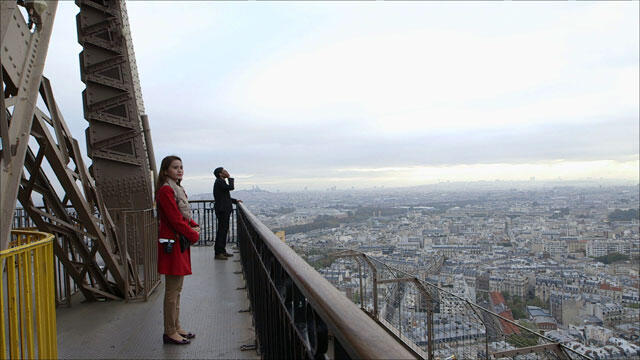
x=318 y=149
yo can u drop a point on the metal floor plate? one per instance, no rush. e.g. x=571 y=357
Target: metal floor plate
x=209 y=307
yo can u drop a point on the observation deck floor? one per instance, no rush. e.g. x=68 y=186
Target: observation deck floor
x=209 y=307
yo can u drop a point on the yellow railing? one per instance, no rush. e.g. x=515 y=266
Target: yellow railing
x=27 y=307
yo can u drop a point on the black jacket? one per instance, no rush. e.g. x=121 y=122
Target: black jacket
x=221 y=195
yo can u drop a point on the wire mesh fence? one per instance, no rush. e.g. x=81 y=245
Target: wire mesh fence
x=435 y=322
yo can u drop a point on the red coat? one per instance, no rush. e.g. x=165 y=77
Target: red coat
x=170 y=222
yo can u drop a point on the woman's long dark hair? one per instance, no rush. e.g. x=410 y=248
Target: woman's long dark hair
x=164 y=166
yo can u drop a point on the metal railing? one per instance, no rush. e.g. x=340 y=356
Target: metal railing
x=204 y=214
x=27 y=309
x=138 y=235
x=434 y=322
x=65 y=287
x=64 y=284
x=22 y=220
x=298 y=314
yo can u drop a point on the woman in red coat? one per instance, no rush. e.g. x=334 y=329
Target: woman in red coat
x=174 y=259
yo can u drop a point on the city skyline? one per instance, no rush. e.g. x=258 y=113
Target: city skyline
x=314 y=95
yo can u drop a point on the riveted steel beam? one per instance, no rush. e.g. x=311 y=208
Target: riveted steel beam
x=115 y=278
x=113 y=106
x=22 y=53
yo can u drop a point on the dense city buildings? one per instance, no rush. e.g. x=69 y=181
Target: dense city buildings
x=564 y=260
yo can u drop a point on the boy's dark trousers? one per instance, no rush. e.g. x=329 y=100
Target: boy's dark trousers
x=221 y=233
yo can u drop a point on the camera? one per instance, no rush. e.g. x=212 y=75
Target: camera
x=168 y=245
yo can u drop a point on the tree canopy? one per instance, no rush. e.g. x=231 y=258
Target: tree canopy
x=624 y=215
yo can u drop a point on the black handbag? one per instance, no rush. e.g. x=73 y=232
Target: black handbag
x=184 y=242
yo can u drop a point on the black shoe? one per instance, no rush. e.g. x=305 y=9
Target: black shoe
x=188 y=335
x=227 y=254
x=167 y=340
x=220 y=257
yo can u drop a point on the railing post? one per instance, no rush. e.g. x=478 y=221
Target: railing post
x=425 y=293
x=125 y=255
x=361 y=290
x=374 y=274
x=375 y=292
x=400 y=314
x=66 y=276
x=430 y=330
x=146 y=247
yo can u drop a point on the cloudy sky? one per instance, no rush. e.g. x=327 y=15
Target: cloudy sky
x=288 y=95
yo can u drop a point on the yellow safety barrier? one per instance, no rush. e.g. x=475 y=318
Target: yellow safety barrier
x=27 y=307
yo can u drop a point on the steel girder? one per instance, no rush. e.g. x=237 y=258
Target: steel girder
x=23 y=52
x=79 y=218
x=113 y=106
x=95 y=260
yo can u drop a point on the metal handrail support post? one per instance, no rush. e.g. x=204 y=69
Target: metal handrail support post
x=372 y=268
x=427 y=295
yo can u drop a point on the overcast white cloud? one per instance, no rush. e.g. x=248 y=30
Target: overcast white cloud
x=288 y=95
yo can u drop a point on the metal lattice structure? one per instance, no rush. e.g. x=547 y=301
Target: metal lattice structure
x=37 y=148
x=93 y=258
x=122 y=156
x=23 y=52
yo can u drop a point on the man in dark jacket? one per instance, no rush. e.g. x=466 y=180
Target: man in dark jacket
x=223 y=210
